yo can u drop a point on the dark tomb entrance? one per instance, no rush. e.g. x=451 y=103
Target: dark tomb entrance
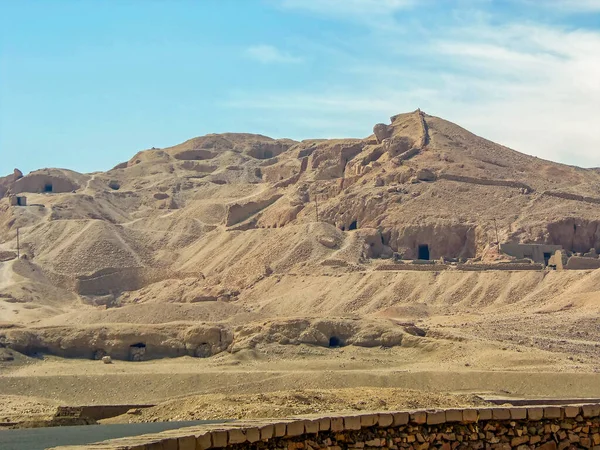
x=424 y=252
x=335 y=342
x=137 y=351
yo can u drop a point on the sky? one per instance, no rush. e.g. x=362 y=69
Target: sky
x=86 y=84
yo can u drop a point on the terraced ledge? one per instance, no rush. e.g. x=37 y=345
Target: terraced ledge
x=545 y=427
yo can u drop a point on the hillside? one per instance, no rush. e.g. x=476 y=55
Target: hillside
x=214 y=244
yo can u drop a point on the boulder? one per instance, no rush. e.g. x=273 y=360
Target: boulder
x=381 y=131
x=426 y=175
x=17 y=174
x=327 y=241
x=107 y=360
x=161 y=196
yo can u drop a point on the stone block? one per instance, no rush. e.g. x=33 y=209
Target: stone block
x=280 y=429
x=500 y=414
x=324 y=424
x=155 y=446
x=418 y=417
x=187 y=443
x=518 y=413
x=236 y=436
x=267 y=432
x=470 y=415
x=203 y=441
x=590 y=410
x=553 y=412
x=551 y=445
x=572 y=411
x=454 y=415
x=485 y=414
x=252 y=434
x=219 y=438
x=170 y=444
x=368 y=420
x=436 y=417
x=337 y=424
x=400 y=418
x=295 y=428
x=311 y=426
x=352 y=423
x=535 y=413
x=385 y=420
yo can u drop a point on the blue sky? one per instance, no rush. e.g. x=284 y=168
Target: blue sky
x=85 y=84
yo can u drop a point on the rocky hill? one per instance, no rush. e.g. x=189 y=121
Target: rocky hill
x=222 y=232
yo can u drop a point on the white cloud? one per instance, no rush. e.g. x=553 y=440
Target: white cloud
x=268 y=54
x=532 y=87
x=568 y=5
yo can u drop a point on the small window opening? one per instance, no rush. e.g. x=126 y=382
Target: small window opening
x=424 y=252
x=48 y=187
x=353 y=226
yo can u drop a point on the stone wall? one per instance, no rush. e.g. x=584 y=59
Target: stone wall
x=582 y=263
x=547 y=428
x=485 y=181
x=575 y=197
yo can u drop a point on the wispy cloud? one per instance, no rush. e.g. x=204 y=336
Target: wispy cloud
x=268 y=54
x=534 y=87
x=567 y=5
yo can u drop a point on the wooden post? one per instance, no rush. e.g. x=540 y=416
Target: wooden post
x=317 y=206
x=18 y=246
x=497 y=235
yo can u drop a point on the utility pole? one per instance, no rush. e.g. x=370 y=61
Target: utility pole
x=18 y=246
x=497 y=236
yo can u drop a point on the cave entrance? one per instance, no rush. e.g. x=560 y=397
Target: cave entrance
x=353 y=226
x=547 y=257
x=335 y=342
x=48 y=187
x=424 y=252
x=137 y=351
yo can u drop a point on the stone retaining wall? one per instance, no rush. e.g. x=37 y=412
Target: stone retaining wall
x=486 y=181
x=544 y=427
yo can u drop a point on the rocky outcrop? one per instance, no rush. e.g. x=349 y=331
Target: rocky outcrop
x=123 y=342
x=381 y=131
x=39 y=182
x=239 y=212
x=575 y=235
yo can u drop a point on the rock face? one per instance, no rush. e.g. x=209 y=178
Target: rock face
x=381 y=132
